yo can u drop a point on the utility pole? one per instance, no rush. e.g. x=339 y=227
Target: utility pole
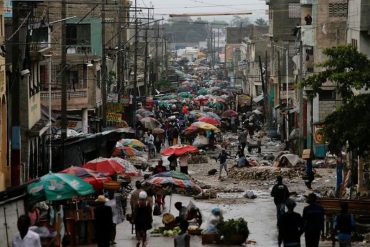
x=103 y=68
x=265 y=94
x=263 y=84
x=146 y=61
x=165 y=55
x=214 y=48
x=156 y=55
x=279 y=78
x=119 y=53
x=15 y=99
x=300 y=97
x=64 y=122
x=135 y=67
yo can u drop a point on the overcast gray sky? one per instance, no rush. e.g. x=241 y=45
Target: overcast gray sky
x=165 y=7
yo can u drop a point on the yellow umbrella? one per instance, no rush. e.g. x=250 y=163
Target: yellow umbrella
x=205 y=126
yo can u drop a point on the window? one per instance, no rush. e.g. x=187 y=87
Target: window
x=72 y=79
x=338 y=8
x=78 y=34
x=294 y=10
x=44 y=77
x=354 y=43
x=327 y=95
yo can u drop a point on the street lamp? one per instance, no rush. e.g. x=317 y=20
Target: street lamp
x=49 y=123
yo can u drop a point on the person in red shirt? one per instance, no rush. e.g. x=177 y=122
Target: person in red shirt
x=159 y=167
x=185 y=110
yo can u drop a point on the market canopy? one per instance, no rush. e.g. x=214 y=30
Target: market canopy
x=179 y=150
x=104 y=165
x=58 y=186
x=169 y=185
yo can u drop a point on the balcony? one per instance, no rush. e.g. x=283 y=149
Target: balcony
x=308 y=35
x=306 y=2
x=79 y=49
x=76 y=99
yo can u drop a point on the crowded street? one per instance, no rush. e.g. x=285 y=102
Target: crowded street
x=184 y=123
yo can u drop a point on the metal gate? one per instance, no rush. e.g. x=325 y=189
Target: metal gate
x=10 y=210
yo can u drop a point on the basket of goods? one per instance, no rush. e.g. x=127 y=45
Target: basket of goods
x=234 y=231
x=169 y=221
x=194 y=230
x=112 y=185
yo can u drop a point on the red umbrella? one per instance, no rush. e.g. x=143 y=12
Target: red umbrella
x=103 y=165
x=90 y=176
x=229 y=113
x=179 y=150
x=209 y=120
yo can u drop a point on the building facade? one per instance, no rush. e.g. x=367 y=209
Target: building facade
x=323 y=25
x=4 y=165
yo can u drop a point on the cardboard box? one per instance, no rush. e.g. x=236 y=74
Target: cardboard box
x=306 y=154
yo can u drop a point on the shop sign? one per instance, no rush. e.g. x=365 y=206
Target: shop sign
x=319 y=137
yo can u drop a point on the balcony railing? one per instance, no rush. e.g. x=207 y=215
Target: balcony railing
x=79 y=49
x=306 y=2
x=58 y=94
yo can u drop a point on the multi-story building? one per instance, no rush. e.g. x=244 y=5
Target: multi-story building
x=323 y=25
x=4 y=165
x=40 y=67
x=284 y=17
x=358 y=27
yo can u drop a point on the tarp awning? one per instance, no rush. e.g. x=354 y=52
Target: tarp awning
x=258 y=98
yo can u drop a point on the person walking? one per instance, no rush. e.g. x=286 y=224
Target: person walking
x=313 y=221
x=343 y=226
x=103 y=222
x=290 y=226
x=142 y=219
x=183 y=160
x=173 y=162
x=25 y=237
x=280 y=193
x=183 y=238
x=134 y=198
x=223 y=158
x=243 y=140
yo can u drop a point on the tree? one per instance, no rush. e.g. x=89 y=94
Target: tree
x=350 y=123
x=347 y=69
x=261 y=22
x=238 y=21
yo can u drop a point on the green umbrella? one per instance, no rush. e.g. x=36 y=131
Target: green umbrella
x=173 y=174
x=163 y=104
x=168 y=96
x=58 y=186
x=202 y=91
x=185 y=95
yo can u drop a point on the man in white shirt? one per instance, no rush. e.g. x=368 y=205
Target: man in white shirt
x=25 y=237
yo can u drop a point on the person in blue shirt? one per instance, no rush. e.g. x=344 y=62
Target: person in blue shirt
x=343 y=225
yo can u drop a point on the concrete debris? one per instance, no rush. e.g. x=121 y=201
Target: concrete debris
x=250 y=195
x=263 y=173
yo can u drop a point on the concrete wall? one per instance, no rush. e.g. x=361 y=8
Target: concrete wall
x=280 y=24
x=358 y=25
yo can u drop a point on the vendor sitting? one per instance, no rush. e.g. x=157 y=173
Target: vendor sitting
x=194 y=215
x=159 y=168
x=215 y=219
x=182 y=212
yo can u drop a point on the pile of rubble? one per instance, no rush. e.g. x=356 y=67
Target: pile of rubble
x=264 y=173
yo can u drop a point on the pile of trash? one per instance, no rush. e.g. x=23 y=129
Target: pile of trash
x=263 y=173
